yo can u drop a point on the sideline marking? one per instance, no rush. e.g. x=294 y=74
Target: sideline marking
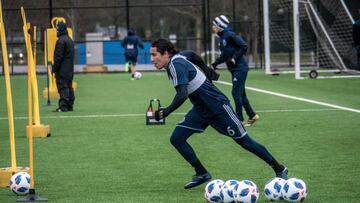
x=141 y=115
x=295 y=98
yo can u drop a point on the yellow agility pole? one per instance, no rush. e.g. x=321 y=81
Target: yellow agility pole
x=34 y=51
x=39 y=130
x=31 y=197
x=49 y=46
x=6 y=173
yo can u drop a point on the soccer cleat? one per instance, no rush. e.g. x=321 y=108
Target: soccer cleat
x=60 y=110
x=283 y=174
x=198 y=180
x=252 y=120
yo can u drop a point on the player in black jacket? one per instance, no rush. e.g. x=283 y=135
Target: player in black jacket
x=63 y=68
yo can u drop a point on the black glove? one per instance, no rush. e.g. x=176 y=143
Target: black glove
x=230 y=64
x=160 y=114
x=213 y=65
x=214 y=76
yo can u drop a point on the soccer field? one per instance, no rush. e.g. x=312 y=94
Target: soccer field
x=104 y=152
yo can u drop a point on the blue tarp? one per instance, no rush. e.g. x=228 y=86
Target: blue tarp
x=114 y=53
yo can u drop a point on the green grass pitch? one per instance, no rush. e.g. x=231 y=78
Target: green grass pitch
x=104 y=152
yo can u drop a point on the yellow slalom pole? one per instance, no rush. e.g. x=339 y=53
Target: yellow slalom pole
x=35 y=47
x=30 y=124
x=39 y=129
x=31 y=197
x=6 y=173
x=31 y=71
x=8 y=92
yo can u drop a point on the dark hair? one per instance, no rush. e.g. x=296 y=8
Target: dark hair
x=163 y=45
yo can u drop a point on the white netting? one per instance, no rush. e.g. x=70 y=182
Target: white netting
x=325 y=35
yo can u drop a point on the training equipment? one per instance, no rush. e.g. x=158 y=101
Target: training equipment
x=309 y=37
x=20 y=183
x=137 y=75
x=272 y=189
x=294 y=190
x=227 y=193
x=150 y=114
x=39 y=130
x=246 y=192
x=6 y=173
x=212 y=191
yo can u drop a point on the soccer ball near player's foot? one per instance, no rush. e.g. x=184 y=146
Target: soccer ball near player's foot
x=212 y=191
x=20 y=183
x=246 y=192
x=273 y=188
x=294 y=190
x=137 y=75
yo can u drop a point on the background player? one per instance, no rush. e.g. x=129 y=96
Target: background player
x=233 y=48
x=131 y=43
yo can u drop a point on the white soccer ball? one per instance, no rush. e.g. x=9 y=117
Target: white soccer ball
x=272 y=189
x=20 y=183
x=246 y=192
x=294 y=190
x=212 y=191
x=227 y=193
x=137 y=75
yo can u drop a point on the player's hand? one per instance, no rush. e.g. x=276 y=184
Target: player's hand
x=159 y=114
x=230 y=64
x=213 y=65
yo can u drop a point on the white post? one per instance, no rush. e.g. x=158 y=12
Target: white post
x=296 y=38
x=213 y=40
x=266 y=36
x=347 y=11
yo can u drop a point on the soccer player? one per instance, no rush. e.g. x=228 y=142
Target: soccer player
x=191 y=56
x=131 y=43
x=233 y=48
x=210 y=107
x=63 y=68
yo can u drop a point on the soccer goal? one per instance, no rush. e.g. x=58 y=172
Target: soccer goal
x=311 y=38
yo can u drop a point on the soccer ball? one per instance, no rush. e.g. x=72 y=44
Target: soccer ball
x=212 y=191
x=273 y=188
x=137 y=75
x=227 y=193
x=246 y=192
x=20 y=183
x=294 y=190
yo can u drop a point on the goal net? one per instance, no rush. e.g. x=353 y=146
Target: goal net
x=309 y=38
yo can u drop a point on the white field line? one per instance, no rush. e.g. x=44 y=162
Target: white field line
x=295 y=98
x=143 y=115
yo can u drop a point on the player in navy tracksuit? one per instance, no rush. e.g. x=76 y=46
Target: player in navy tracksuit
x=131 y=43
x=233 y=48
x=210 y=73
x=210 y=107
